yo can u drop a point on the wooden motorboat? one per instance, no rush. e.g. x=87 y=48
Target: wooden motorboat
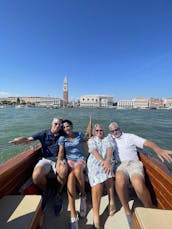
x=17 y=170
x=159 y=181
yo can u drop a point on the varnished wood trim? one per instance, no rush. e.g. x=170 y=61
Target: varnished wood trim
x=159 y=180
x=14 y=172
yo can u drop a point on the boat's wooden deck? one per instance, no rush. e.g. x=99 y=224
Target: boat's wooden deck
x=109 y=222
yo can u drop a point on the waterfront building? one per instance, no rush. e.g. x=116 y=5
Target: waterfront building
x=156 y=103
x=37 y=101
x=21 y=99
x=168 y=103
x=65 y=91
x=125 y=104
x=96 y=101
x=50 y=102
x=140 y=103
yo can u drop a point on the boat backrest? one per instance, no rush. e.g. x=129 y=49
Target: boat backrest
x=14 y=172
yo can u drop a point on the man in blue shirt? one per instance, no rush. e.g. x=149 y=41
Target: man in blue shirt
x=49 y=140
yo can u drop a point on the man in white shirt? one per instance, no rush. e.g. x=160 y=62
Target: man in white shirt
x=130 y=167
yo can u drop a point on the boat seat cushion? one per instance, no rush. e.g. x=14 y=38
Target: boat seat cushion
x=148 y=218
x=20 y=211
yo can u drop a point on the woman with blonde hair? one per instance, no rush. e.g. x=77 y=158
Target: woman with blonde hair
x=100 y=171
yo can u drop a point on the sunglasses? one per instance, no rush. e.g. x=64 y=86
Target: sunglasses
x=57 y=124
x=99 y=130
x=116 y=130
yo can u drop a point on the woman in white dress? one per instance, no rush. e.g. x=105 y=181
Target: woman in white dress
x=100 y=171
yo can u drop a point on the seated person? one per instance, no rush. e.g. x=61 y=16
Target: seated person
x=49 y=140
x=100 y=171
x=130 y=167
x=72 y=143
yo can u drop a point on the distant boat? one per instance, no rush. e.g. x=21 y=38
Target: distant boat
x=153 y=108
x=20 y=106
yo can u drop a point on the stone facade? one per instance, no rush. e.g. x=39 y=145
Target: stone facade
x=156 y=103
x=140 y=102
x=65 y=91
x=96 y=101
x=125 y=104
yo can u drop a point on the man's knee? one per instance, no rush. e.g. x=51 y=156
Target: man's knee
x=38 y=174
x=137 y=181
x=120 y=177
x=63 y=171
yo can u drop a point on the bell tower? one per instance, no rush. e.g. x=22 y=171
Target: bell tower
x=65 y=90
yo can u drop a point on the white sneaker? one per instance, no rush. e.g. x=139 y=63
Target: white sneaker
x=74 y=223
x=83 y=207
x=130 y=221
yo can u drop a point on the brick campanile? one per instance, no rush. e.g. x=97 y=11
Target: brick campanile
x=65 y=90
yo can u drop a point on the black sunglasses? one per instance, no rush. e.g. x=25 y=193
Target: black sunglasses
x=116 y=130
x=99 y=130
x=57 y=124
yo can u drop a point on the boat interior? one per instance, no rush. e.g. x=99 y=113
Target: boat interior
x=17 y=171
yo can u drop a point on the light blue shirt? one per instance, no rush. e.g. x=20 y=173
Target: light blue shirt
x=74 y=149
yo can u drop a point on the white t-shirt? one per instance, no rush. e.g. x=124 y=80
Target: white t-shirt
x=125 y=146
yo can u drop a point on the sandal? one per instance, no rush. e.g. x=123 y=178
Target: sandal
x=112 y=209
x=96 y=225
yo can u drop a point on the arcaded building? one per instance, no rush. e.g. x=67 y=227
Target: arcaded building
x=96 y=101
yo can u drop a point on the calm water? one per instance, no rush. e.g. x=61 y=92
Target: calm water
x=151 y=124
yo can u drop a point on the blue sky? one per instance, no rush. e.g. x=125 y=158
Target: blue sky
x=118 y=47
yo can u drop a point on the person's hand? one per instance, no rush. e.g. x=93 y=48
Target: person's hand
x=165 y=154
x=59 y=164
x=161 y=153
x=19 y=140
x=106 y=166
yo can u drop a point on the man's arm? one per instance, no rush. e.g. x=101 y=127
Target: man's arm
x=21 y=140
x=161 y=153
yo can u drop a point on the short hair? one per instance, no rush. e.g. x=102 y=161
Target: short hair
x=60 y=119
x=55 y=118
x=113 y=124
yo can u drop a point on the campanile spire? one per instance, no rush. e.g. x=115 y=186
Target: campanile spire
x=65 y=90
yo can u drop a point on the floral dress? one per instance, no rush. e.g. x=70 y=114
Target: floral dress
x=96 y=175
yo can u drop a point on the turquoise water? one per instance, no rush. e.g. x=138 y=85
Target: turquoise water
x=151 y=124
